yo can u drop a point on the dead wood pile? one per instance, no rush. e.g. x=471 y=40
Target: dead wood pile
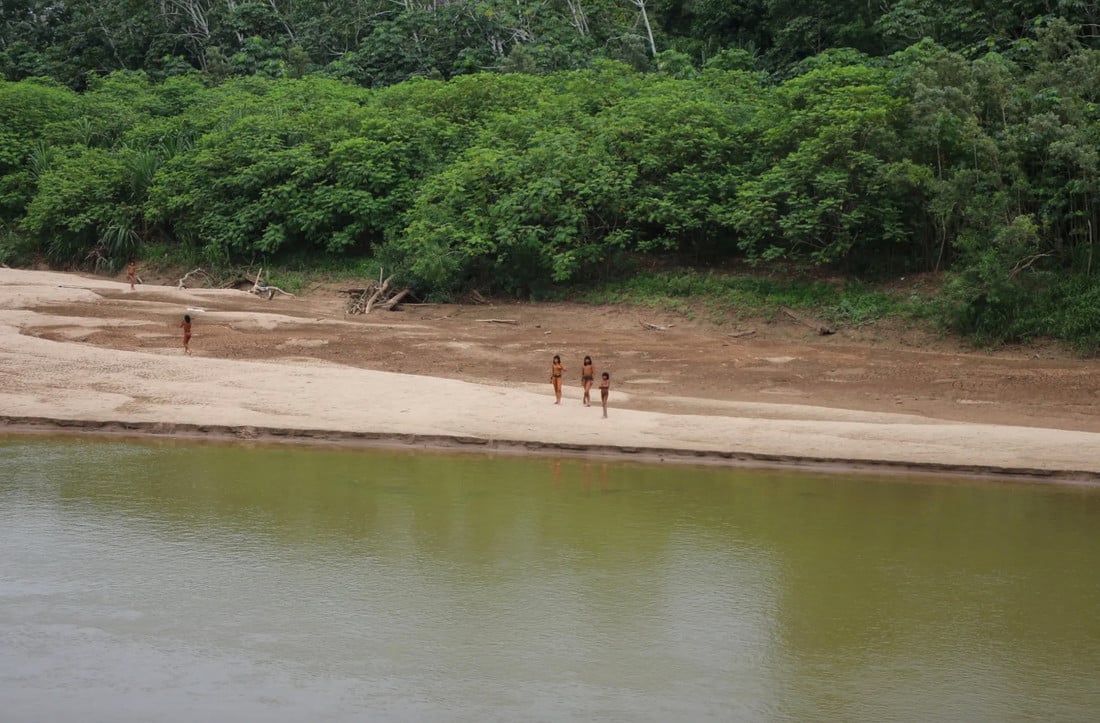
x=375 y=295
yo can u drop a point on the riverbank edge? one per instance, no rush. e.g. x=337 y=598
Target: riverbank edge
x=17 y=425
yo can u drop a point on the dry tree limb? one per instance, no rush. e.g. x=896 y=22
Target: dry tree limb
x=357 y=299
x=391 y=303
x=498 y=321
x=819 y=328
x=1025 y=264
x=378 y=293
x=375 y=295
x=654 y=327
x=260 y=289
x=270 y=291
x=181 y=282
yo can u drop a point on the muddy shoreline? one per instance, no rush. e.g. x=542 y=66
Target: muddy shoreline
x=39 y=426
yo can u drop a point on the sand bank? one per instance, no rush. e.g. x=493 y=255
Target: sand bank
x=71 y=383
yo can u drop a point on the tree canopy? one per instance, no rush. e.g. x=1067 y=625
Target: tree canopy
x=514 y=146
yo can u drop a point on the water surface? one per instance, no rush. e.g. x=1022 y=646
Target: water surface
x=177 y=583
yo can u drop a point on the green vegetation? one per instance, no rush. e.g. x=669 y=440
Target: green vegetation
x=523 y=148
x=727 y=296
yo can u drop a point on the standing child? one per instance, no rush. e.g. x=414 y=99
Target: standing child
x=588 y=375
x=605 y=387
x=556 y=370
x=131 y=274
x=186 y=326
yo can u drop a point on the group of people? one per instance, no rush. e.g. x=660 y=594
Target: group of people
x=588 y=377
x=588 y=370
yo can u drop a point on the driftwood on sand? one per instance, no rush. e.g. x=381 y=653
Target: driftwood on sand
x=181 y=283
x=260 y=289
x=375 y=295
x=654 y=327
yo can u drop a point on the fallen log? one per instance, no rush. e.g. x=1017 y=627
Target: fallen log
x=270 y=291
x=259 y=288
x=391 y=303
x=819 y=328
x=654 y=327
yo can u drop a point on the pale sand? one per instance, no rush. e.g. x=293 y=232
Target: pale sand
x=71 y=381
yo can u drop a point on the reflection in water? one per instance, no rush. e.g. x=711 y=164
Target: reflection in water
x=168 y=582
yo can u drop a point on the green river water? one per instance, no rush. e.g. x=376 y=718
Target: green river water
x=159 y=582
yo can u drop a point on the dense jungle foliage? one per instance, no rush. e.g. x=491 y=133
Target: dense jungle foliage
x=515 y=146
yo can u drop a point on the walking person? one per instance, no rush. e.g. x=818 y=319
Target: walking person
x=186 y=326
x=588 y=375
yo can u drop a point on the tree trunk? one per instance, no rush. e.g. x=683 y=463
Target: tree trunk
x=641 y=5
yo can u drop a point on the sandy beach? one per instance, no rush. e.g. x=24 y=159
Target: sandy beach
x=83 y=351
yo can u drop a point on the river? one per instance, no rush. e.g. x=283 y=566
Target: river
x=183 y=582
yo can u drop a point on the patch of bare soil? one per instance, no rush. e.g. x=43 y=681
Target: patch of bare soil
x=658 y=361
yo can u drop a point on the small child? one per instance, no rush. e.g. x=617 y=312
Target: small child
x=186 y=326
x=131 y=274
x=605 y=387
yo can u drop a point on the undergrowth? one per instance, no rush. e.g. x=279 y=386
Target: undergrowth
x=730 y=296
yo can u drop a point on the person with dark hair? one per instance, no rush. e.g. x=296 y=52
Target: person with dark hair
x=186 y=326
x=588 y=375
x=556 y=370
x=605 y=387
